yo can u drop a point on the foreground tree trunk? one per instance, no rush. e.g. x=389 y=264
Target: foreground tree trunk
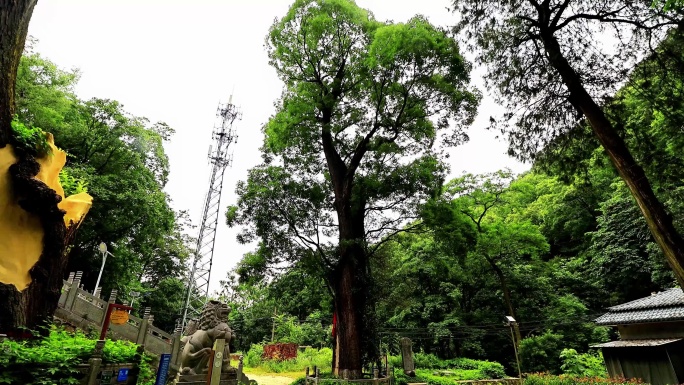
x=659 y=222
x=14 y=20
x=30 y=307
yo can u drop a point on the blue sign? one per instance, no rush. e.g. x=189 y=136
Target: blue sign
x=163 y=371
x=123 y=375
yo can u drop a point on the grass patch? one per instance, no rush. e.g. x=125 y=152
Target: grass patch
x=547 y=379
x=264 y=372
x=308 y=358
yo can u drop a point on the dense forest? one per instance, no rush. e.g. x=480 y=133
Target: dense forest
x=552 y=247
x=438 y=260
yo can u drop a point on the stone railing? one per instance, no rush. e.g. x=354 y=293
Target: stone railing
x=315 y=378
x=87 y=312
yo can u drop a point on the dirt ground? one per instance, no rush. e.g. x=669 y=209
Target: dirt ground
x=269 y=379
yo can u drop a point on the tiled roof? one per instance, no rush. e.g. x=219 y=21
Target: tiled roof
x=669 y=297
x=630 y=343
x=664 y=306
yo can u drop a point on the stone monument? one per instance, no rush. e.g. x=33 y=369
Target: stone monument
x=200 y=338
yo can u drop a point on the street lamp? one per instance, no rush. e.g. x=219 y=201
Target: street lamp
x=134 y=296
x=510 y=321
x=103 y=250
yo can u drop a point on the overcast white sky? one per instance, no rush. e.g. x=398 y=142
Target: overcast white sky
x=174 y=60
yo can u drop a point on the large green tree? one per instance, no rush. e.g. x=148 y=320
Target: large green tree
x=350 y=153
x=549 y=67
x=120 y=159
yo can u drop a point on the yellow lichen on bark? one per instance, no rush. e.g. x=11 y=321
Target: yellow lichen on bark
x=21 y=233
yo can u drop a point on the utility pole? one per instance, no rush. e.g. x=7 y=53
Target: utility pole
x=512 y=323
x=275 y=314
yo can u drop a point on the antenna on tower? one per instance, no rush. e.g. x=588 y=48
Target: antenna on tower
x=200 y=272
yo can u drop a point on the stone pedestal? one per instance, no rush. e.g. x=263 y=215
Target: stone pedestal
x=201 y=379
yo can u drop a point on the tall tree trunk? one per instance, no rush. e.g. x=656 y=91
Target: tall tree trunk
x=348 y=338
x=35 y=304
x=14 y=20
x=659 y=222
x=350 y=294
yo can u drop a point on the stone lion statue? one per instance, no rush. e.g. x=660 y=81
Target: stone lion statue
x=200 y=336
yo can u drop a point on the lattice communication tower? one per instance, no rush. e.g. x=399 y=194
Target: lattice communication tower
x=200 y=272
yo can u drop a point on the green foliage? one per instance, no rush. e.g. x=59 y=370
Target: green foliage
x=30 y=139
x=309 y=357
x=253 y=358
x=120 y=160
x=546 y=379
x=53 y=359
x=429 y=366
x=71 y=183
x=668 y=5
x=539 y=353
x=585 y=365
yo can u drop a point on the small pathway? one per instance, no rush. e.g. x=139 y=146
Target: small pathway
x=270 y=379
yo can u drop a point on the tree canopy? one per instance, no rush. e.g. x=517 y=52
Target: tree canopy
x=120 y=160
x=550 y=70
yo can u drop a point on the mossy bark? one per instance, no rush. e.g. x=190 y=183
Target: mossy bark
x=36 y=304
x=14 y=20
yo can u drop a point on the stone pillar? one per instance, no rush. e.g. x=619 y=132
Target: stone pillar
x=95 y=363
x=112 y=299
x=73 y=291
x=144 y=327
x=239 y=369
x=219 y=344
x=407 y=356
x=176 y=347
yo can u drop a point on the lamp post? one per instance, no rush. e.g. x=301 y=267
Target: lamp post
x=511 y=322
x=134 y=296
x=103 y=250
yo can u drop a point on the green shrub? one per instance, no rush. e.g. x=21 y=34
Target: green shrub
x=309 y=357
x=546 y=379
x=460 y=368
x=586 y=364
x=541 y=353
x=30 y=139
x=253 y=357
x=71 y=183
x=53 y=359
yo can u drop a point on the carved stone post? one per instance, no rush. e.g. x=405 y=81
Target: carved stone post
x=73 y=291
x=239 y=369
x=219 y=344
x=407 y=356
x=144 y=327
x=112 y=299
x=95 y=363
